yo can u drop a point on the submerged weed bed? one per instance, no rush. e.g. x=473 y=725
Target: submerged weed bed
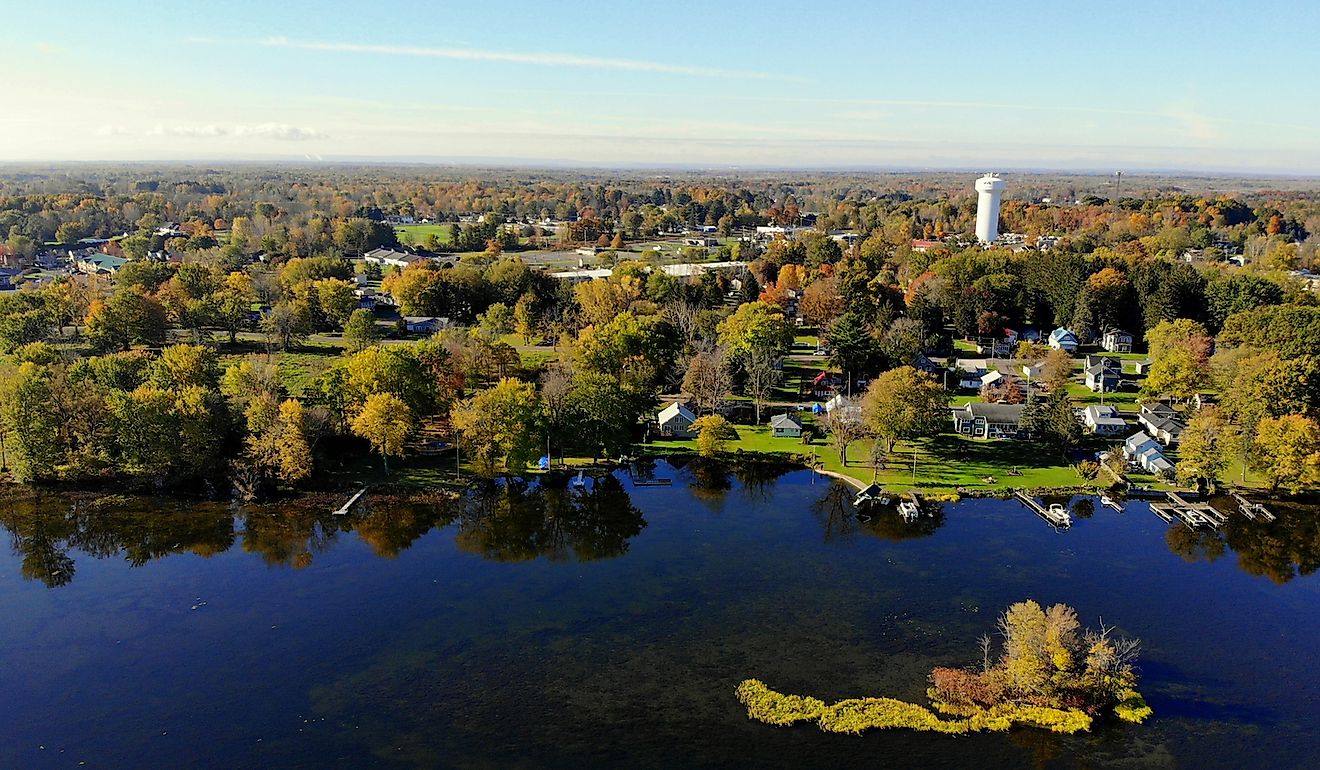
x=856 y=715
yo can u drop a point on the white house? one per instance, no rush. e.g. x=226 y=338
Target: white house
x=393 y=257
x=1116 y=341
x=1145 y=452
x=1103 y=420
x=676 y=421
x=1063 y=339
x=849 y=406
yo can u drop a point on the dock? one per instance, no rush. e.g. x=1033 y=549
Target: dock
x=1055 y=515
x=653 y=482
x=1110 y=502
x=1251 y=510
x=1192 y=515
x=346 y=507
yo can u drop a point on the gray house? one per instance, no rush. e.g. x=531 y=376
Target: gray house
x=988 y=420
x=675 y=421
x=786 y=426
x=1103 y=377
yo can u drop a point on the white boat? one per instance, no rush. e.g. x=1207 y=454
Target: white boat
x=1110 y=502
x=1058 y=515
x=580 y=482
x=908 y=510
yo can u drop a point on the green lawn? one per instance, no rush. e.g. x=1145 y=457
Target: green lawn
x=943 y=464
x=418 y=233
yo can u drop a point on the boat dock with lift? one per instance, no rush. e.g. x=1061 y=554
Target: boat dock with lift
x=1251 y=510
x=1055 y=514
x=1194 y=515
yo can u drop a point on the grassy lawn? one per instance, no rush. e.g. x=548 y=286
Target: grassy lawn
x=297 y=367
x=418 y=233
x=943 y=463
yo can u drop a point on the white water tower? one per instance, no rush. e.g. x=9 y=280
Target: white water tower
x=989 y=188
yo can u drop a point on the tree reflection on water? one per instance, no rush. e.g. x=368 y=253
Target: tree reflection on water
x=517 y=521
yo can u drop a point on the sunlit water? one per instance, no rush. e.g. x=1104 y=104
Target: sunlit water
x=527 y=627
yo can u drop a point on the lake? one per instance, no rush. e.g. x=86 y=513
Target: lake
x=533 y=627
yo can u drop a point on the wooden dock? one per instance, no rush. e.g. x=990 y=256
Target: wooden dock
x=1055 y=515
x=346 y=507
x=1192 y=515
x=1251 y=510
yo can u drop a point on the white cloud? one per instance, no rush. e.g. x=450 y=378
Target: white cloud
x=109 y=130
x=543 y=59
x=195 y=132
x=282 y=131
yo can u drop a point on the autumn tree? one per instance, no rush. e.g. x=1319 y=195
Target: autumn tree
x=386 y=422
x=708 y=379
x=1287 y=452
x=713 y=434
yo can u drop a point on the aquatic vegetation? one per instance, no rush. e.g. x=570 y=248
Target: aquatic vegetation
x=856 y=715
x=1050 y=675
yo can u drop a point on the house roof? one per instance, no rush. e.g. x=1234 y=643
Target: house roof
x=419 y=319
x=674 y=410
x=996 y=412
x=1157 y=408
x=1062 y=334
x=785 y=421
x=1101 y=410
x=1138 y=440
x=1102 y=369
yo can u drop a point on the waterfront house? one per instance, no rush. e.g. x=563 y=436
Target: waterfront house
x=988 y=421
x=1162 y=421
x=675 y=421
x=1103 y=420
x=1147 y=454
x=1116 y=341
x=786 y=426
x=1063 y=339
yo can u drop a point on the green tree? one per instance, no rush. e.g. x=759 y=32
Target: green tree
x=129 y=317
x=34 y=449
x=1051 y=422
x=336 y=299
x=497 y=321
x=385 y=422
x=181 y=366
x=756 y=326
x=501 y=423
x=905 y=404
x=287 y=324
x=1205 y=448
x=361 y=330
x=602 y=414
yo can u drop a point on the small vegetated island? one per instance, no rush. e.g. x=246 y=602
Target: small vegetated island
x=1050 y=674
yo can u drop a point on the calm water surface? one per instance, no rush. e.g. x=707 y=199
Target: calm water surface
x=531 y=627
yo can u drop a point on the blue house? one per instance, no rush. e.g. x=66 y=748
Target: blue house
x=1063 y=339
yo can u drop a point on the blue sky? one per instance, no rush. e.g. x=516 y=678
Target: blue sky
x=1209 y=85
